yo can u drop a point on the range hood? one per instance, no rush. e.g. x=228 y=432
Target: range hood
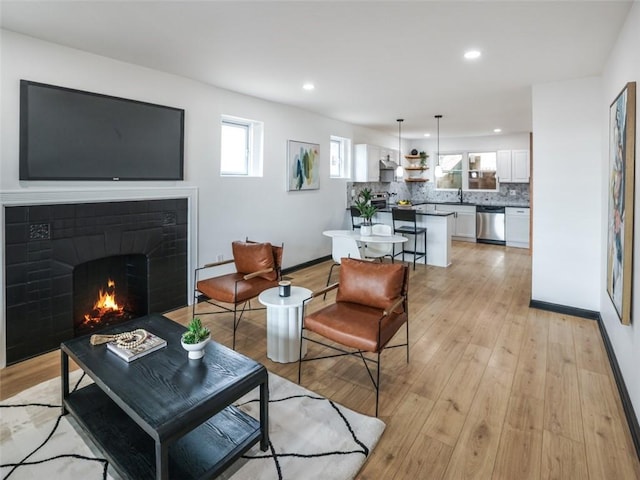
x=388 y=165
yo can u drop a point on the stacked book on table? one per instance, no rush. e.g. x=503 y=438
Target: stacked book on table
x=150 y=344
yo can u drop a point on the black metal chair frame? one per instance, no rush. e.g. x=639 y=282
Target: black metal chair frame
x=408 y=215
x=355 y=213
x=199 y=297
x=355 y=353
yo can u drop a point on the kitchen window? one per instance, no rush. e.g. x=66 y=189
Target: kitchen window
x=339 y=157
x=449 y=171
x=467 y=170
x=241 y=142
x=481 y=174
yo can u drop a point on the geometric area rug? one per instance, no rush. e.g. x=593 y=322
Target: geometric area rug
x=310 y=437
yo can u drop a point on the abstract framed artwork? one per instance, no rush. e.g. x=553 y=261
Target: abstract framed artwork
x=622 y=132
x=303 y=166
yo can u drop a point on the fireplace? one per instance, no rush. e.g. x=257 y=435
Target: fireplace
x=61 y=258
x=108 y=291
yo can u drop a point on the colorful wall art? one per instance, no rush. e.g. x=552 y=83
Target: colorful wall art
x=622 y=132
x=303 y=166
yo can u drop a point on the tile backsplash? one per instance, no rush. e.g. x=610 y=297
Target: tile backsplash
x=516 y=194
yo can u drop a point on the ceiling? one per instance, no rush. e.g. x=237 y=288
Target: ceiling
x=371 y=62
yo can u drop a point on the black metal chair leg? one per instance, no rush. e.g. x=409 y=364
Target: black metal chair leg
x=378 y=385
x=329 y=278
x=407 y=342
x=300 y=358
x=415 y=250
x=425 y=249
x=235 y=312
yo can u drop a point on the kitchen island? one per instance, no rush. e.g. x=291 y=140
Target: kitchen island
x=439 y=228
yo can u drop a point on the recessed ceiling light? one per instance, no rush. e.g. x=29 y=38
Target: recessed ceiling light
x=497 y=130
x=308 y=86
x=427 y=134
x=472 y=54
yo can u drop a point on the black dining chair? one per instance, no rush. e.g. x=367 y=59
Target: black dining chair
x=356 y=219
x=405 y=223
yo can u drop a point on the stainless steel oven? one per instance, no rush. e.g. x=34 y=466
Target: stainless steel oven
x=379 y=200
x=490 y=224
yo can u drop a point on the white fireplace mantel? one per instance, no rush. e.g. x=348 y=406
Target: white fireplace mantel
x=83 y=195
x=46 y=196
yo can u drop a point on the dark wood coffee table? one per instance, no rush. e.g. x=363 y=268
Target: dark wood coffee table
x=164 y=415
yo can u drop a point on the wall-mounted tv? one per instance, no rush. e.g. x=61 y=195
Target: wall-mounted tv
x=68 y=134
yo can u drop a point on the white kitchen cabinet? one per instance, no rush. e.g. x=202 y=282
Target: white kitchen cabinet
x=464 y=221
x=367 y=163
x=513 y=166
x=520 y=166
x=465 y=224
x=517 y=227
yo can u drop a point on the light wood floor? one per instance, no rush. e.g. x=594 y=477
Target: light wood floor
x=493 y=390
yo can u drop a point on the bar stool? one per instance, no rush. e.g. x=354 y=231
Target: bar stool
x=404 y=223
x=356 y=219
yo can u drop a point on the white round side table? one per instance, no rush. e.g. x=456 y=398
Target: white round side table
x=284 y=321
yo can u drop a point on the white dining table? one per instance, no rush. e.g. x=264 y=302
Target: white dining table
x=365 y=239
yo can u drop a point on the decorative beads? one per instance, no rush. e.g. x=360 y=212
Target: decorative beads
x=131 y=339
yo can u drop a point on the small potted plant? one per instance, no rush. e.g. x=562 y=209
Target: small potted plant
x=423 y=159
x=367 y=211
x=195 y=338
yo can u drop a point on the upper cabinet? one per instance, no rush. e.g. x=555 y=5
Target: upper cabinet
x=367 y=163
x=513 y=166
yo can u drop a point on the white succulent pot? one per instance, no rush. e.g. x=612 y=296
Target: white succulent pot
x=196 y=350
x=365 y=230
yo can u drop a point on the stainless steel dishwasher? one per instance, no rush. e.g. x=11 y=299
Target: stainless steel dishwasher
x=490 y=224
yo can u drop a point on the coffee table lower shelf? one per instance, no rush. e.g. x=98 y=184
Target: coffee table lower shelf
x=201 y=453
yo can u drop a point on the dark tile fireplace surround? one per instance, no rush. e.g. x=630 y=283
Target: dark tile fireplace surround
x=45 y=244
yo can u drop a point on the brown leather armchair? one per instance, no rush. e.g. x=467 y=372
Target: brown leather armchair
x=371 y=306
x=258 y=267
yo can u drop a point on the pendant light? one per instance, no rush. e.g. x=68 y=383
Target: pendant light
x=438 y=171
x=399 y=170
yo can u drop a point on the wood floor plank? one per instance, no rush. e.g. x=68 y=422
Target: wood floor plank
x=563 y=413
x=563 y=459
x=590 y=352
x=519 y=455
x=531 y=371
x=525 y=413
x=563 y=410
x=605 y=438
x=450 y=411
x=475 y=452
x=493 y=389
x=426 y=458
x=403 y=427
x=506 y=351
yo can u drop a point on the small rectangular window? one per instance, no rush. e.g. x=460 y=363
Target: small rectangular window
x=235 y=149
x=482 y=171
x=241 y=147
x=339 y=157
x=449 y=171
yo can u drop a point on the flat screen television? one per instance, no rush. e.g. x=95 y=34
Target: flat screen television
x=68 y=134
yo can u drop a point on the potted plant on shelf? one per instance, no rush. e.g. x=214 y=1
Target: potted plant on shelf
x=423 y=159
x=195 y=338
x=367 y=211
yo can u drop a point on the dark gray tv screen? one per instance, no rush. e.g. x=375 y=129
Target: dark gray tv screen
x=68 y=134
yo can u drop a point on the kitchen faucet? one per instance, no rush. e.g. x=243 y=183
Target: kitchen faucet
x=460 y=194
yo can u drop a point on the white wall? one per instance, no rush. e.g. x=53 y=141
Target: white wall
x=567 y=188
x=516 y=141
x=623 y=66
x=230 y=208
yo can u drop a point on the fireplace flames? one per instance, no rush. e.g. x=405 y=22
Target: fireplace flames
x=106 y=307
